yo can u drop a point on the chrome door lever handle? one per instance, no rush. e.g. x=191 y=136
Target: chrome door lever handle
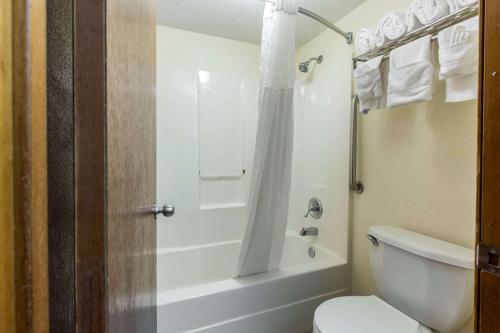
x=167 y=210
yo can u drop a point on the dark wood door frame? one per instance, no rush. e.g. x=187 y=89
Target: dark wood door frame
x=488 y=184
x=89 y=84
x=76 y=164
x=60 y=138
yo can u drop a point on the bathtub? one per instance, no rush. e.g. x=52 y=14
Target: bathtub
x=196 y=291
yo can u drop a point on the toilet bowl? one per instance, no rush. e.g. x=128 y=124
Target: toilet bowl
x=355 y=314
x=425 y=285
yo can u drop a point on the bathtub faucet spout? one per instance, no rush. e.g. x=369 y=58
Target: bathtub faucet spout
x=313 y=231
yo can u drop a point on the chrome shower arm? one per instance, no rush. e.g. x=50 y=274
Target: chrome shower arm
x=319 y=59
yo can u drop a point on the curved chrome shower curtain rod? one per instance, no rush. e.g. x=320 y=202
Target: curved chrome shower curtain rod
x=347 y=35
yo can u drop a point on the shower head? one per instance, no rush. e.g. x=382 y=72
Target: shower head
x=304 y=66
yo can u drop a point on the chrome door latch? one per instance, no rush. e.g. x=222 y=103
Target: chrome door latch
x=488 y=259
x=167 y=210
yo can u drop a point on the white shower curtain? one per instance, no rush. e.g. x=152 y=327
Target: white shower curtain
x=262 y=243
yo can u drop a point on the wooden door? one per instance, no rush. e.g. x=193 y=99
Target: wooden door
x=131 y=191
x=114 y=70
x=488 y=228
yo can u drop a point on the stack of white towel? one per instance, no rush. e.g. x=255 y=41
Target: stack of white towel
x=458 y=57
x=411 y=69
x=394 y=25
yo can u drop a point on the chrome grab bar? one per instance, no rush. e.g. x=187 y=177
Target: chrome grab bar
x=354 y=184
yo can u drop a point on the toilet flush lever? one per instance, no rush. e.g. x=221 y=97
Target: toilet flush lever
x=372 y=239
x=314 y=208
x=166 y=210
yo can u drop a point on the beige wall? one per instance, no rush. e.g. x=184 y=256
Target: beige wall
x=418 y=163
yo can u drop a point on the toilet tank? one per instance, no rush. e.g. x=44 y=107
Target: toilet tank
x=428 y=279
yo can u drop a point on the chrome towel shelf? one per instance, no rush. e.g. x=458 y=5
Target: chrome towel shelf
x=430 y=29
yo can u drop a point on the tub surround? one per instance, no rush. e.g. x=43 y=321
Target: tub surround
x=203 y=238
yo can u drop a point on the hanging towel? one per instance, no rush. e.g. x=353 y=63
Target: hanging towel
x=426 y=12
x=390 y=27
x=458 y=57
x=369 y=85
x=456 y=5
x=365 y=41
x=410 y=74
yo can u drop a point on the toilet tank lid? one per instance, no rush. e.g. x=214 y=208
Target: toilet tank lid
x=424 y=246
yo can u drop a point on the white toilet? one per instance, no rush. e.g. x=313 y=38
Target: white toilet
x=426 y=285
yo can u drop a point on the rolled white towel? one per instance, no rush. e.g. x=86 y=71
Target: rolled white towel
x=365 y=41
x=412 y=22
x=428 y=11
x=380 y=38
x=459 y=4
x=465 y=3
x=390 y=27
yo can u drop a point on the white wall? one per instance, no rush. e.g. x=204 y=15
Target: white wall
x=418 y=163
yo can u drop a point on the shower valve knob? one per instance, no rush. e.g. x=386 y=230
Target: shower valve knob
x=315 y=208
x=167 y=210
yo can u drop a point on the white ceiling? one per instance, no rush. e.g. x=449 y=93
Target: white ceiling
x=242 y=19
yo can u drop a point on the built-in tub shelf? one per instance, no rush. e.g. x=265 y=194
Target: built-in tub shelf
x=222 y=206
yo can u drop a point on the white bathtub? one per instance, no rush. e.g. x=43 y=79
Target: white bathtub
x=197 y=294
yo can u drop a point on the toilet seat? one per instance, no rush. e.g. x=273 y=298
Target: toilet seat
x=363 y=314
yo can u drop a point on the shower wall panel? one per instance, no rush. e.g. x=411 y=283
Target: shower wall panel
x=321 y=146
x=206 y=121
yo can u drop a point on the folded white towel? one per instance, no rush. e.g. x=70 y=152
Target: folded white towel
x=369 y=87
x=365 y=41
x=458 y=57
x=390 y=27
x=459 y=4
x=411 y=73
x=426 y=12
